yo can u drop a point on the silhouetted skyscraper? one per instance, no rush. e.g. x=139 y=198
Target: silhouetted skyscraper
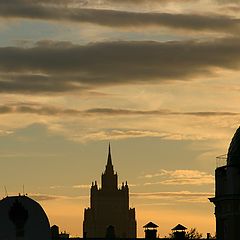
x=227 y=194
x=109 y=206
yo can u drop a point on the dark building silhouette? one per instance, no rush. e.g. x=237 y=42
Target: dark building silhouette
x=64 y=235
x=179 y=232
x=109 y=208
x=150 y=230
x=55 y=232
x=22 y=218
x=227 y=194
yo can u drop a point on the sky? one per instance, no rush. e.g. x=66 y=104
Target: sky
x=159 y=79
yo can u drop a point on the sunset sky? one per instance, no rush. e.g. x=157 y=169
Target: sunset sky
x=159 y=79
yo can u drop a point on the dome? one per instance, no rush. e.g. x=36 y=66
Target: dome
x=233 y=157
x=21 y=217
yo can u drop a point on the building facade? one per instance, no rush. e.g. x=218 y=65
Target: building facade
x=227 y=193
x=109 y=212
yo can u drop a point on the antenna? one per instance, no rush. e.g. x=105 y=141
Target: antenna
x=23 y=190
x=6 y=193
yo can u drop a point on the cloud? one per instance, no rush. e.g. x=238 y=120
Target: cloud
x=48 y=197
x=34 y=108
x=163 y=112
x=5 y=133
x=49 y=110
x=181 y=196
x=116 y=18
x=51 y=68
x=181 y=177
x=5 y=109
x=61 y=120
x=147 y=1
x=106 y=134
x=227 y=1
x=123 y=133
x=82 y=186
x=170 y=197
x=79 y=186
x=84 y=2
x=148 y=195
x=172 y=194
x=57 y=187
x=36 y=83
x=44 y=197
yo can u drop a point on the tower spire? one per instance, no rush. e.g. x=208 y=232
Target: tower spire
x=109 y=161
x=109 y=166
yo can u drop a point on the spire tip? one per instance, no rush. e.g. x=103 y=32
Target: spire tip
x=109 y=148
x=109 y=161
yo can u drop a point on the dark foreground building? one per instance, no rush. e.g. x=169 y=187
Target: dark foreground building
x=109 y=214
x=22 y=218
x=227 y=194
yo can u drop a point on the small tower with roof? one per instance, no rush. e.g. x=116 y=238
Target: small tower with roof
x=150 y=230
x=179 y=232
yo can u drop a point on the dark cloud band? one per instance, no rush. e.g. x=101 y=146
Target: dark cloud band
x=114 y=18
x=59 y=67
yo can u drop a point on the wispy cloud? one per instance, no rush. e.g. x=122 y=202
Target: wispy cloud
x=181 y=196
x=172 y=194
x=48 y=197
x=41 y=109
x=82 y=186
x=111 y=111
x=180 y=177
x=79 y=186
x=57 y=186
x=107 y=134
x=45 y=197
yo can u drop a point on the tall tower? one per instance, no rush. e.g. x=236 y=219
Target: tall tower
x=227 y=193
x=109 y=208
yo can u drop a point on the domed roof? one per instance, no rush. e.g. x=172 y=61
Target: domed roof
x=23 y=217
x=233 y=157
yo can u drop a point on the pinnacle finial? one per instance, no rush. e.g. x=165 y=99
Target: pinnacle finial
x=109 y=155
x=109 y=166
